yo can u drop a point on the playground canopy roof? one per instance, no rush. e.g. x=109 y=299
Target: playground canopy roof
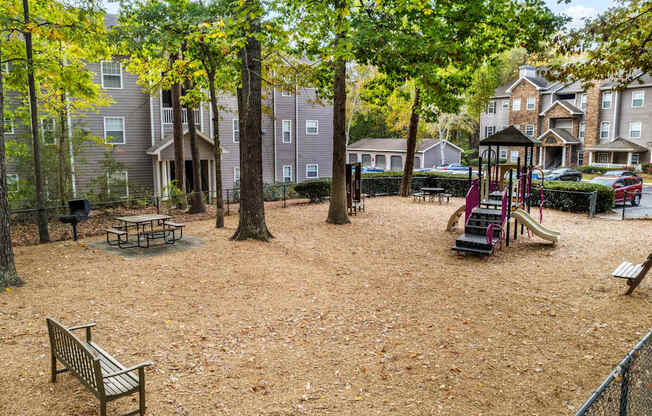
x=511 y=136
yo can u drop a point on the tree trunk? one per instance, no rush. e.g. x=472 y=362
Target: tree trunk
x=337 y=210
x=196 y=199
x=61 y=184
x=8 y=275
x=177 y=131
x=217 y=150
x=406 y=182
x=252 y=208
x=44 y=235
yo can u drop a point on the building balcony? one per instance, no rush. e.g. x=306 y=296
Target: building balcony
x=166 y=116
x=636 y=166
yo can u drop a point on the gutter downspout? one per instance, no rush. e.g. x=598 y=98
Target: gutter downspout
x=274 y=133
x=616 y=130
x=151 y=119
x=296 y=133
x=73 y=181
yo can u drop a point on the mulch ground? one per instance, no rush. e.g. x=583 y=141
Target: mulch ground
x=378 y=317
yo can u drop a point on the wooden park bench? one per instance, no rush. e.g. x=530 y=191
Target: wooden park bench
x=174 y=227
x=100 y=373
x=633 y=273
x=442 y=196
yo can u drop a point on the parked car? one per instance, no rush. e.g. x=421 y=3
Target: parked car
x=453 y=166
x=536 y=175
x=372 y=169
x=619 y=173
x=626 y=188
x=564 y=174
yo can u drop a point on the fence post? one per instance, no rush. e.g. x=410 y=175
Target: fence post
x=624 y=204
x=284 y=197
x=593 y=204
x=624 y=390
x=228 y=212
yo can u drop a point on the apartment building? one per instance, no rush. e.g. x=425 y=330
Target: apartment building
x=597 y=126
x=296 y=133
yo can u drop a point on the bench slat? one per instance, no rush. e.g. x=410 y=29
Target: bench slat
x=119 y=384
x=115 y=231
x=628 y=270
x=173 y=224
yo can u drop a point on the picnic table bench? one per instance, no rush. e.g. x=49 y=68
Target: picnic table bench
x=118 y=235
x=98 y=371
x=633 y=273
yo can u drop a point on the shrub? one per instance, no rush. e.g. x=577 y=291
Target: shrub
x=576 y=199
x=601 y=171
x=647 y=168
x=274 y=191
x=315 y=190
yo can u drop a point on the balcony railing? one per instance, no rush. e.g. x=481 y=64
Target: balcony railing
x=616 y=165
x=167 y=116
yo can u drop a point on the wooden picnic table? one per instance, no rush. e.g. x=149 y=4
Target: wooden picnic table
x=141 y=222
x=430 y=192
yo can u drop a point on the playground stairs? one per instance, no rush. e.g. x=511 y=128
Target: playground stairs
x=474 y=239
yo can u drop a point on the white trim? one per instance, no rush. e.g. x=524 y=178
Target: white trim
x=283 y=123
x=561 y=103
x=124 y=130
x=509 y=90
x=236 y=169
x=317 y=167
x=316 y=125
x=529 y=135
x=17 y=182
x=640 y=129
x=580 y=153
x=387 y=151
x=102 y=75
x=600 y=130
x=642 y=99
x=283 y=172
x=563 y=157
x=53 y=131
x=602 y=100
x=201 y=135
x=534 y=104
x=234 y=122
x=151 y=119
x=581 y=132
x=556 y=134
x=10 y=122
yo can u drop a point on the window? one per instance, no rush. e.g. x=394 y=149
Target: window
x=287 y=173
x=635 y=129
x=580 y=158
x=516 y=104
x=506 y=105
x=114 y=130
x=236 y=176
x=366 y=160
x=12 y=182
x=514 y=156
x=491 y=108
x=489 y=131
x=604 y=130
x=287 y=131
x=396 y=163
x=417 y=162
x=48 y=130
x=503 y=154
x=312 y=171
x=531 y=103
x=603 y=157
x=635 y=158
x=285 y=93
x=9 y=126
x=582 y=131
x=118 y=184
x=529 y=130
x=606 y=100
x=111 y=75
x=312 y=127
x=353 y=158
x=638 y=98
x=236 y=130
x=583 y=101
x=380 y=161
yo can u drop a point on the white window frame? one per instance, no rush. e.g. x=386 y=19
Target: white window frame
x=289 y=130
x=236 y=174
x=580 y=157
x=631 y=130
x=124 y=130
x=316 y=166
x=516 y=104
x=53 y=131
x=638 y=158
x=283 y=173
x=16 y=181
x=285 y=93
x=603 y=157
x=583 y=101
x=604 y=95
x=528 y=126
x=102 y=75
x=506 y=105
x=605 y=130
x=9 y=122
x=489 y=131
x=503 y=154
x=642 y=92
x=126 y=179
x=514 y=155
x=235 y=127
x=308 y=133
x=531 y=103
x=491 y=107
x=582 y=131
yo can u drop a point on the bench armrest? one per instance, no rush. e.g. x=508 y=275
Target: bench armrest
x=128 y=370
x=87 y=326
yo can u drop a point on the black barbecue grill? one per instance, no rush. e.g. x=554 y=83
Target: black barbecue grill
x=79 y=210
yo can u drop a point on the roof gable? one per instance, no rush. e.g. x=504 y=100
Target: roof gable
x=157 y=149
x=562 y=134
x=569 y=107
x=538 y=84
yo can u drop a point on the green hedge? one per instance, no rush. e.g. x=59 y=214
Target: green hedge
x=271 y=192
x=576 y=199
x=315 y=190
x=595 y=169
x=647 y=168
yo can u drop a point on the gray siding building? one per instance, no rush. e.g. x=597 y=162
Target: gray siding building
x=390 y=154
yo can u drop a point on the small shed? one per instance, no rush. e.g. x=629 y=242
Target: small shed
x=390 y=154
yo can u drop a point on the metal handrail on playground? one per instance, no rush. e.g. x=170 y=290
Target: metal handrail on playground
x=627 y=391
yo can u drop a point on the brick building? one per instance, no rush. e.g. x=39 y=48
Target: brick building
x=598 y=126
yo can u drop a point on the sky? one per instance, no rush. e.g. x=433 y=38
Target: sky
x=576 y=9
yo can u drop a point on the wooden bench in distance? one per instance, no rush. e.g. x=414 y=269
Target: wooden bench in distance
x=633 y=273
x=174 y=226
x=100 y=373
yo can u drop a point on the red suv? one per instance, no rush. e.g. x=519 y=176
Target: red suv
x=626 y=188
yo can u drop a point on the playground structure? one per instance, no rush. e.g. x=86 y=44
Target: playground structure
x=500 y=196
x=354 y=201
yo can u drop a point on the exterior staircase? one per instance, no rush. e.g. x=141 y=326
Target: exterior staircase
x=474 y=239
